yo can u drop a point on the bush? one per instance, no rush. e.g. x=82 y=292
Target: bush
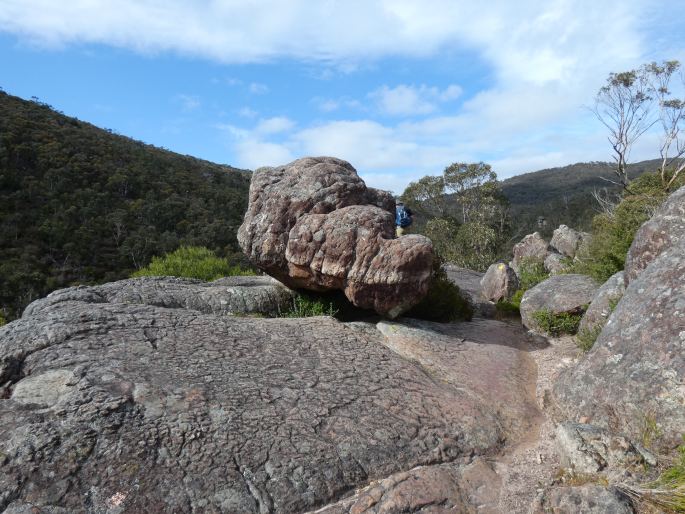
x=3 y=321
x=531 y=273
x=557 y=324
x=306 y=305
x=444 y=301
x=191 y=262
x=613 y=233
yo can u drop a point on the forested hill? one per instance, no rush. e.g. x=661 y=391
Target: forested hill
x=562 y=195
x=79 y=204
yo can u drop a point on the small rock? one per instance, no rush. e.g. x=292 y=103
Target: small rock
x=499 y=283
x=554 y=263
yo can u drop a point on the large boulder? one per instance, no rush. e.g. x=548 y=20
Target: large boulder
x=633 y=377
x=225 y=296
x=532 y=247
x=603 y=303
x=313 y=224
x=129 y=407
x=566 y=240
x=559 y=294
x=656 y=235
x=499 y=282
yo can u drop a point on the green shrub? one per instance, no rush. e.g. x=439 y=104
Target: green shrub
x=191 y=262
x=531 y=273
x=586 y=338
x=307 y=305
x=3 y=321
x=613 y=233
x=557 y=324
x=444 y=301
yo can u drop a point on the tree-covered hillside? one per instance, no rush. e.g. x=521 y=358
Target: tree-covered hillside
x=79 y=204
x=562 y=195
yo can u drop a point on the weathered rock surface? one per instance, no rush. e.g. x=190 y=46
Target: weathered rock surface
x=634 y=375
x=468 y=282
x=499 y=283
x=656 y=235
x=554 y=263
x=119 y=407
x=586 y=499
x=225 y=296
x=558 y=294
x=601 y=306
x=566 y=240
x=588 y=449
x=533 y=246
x=314 y=224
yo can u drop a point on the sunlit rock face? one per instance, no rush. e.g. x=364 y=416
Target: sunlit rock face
x=313 y=224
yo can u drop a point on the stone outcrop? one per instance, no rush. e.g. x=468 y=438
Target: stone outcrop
x=586 y=449
x=585 y=499
x=633 y=377
x=499 y=282
x=533 y=246
x=566 y=241
x=225 y=296
x=558 y=294
x=313 y=224
x=109 y=403
x=656 y=235
x=603 y=303
x=554 y=263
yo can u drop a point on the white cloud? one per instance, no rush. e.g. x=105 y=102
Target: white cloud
x=246 y=112
x=188 y=102
x=546 y=58
x=405 y=100
x=258 y=89
x=274 y=125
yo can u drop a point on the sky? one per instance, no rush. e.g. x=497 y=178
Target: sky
x=399 y=88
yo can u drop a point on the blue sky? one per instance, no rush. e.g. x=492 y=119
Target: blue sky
x=400 y=88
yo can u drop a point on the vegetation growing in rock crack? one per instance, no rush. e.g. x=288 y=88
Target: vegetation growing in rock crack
x=191 y=262
x=306 y=305
x=557 y=324
x=668 y=491
x=586 y=338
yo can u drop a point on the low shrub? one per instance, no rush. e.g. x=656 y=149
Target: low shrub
x=531 y=272
x=306 y=305
x=444 y=301
x=191 y=262
x=613 y=232
x=3 y=321
x=586 y=338
x=557 y=324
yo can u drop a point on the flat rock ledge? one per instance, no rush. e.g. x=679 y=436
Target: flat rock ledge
x=120 y=406
x=225 y=296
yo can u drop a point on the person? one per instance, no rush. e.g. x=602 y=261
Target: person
x=402 y=219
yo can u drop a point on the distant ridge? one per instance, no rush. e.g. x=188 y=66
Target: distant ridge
x=563 y=194
x=79 y=204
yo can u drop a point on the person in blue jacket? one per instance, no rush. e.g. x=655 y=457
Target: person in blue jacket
x=402 y=219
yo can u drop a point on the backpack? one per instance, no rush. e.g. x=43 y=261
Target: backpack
x=402 y=217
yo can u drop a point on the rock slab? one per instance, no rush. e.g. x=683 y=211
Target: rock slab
x=130 y=407
x=313 y=224
x=558 y=294
x=656 y=235
x=634 y=376
x=603 y=303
